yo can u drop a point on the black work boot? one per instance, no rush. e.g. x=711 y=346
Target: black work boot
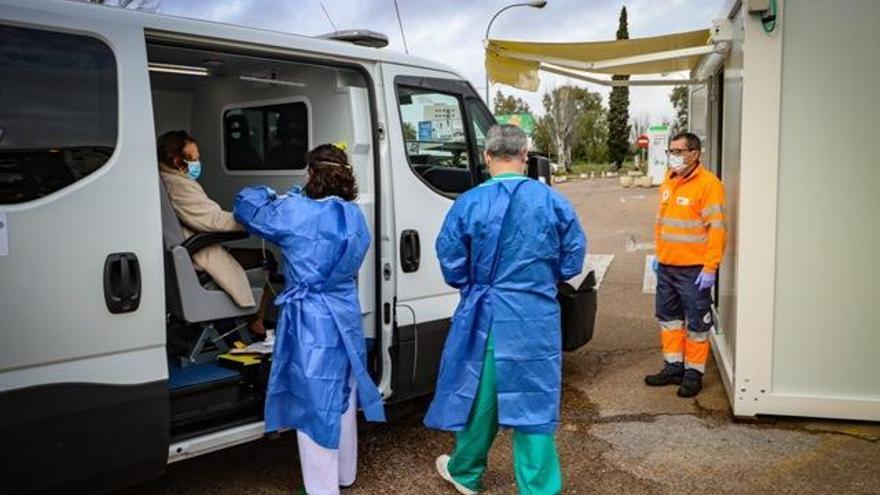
x=671 y=374
x=691 y=384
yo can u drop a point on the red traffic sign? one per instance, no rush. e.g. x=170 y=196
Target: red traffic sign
x=643 y=141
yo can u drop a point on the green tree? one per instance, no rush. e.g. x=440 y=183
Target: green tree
x=618 y=108
x=591 y=144
x=541 y=137
x=679 y=99
x=508 y=104
x=573 y=127
x=559 y=125
x=409 y=132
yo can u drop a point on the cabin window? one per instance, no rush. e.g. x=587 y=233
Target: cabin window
x=270 y=137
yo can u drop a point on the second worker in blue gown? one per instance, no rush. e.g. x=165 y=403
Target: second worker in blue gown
x=505 y=245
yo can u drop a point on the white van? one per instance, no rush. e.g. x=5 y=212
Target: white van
x=108 y=368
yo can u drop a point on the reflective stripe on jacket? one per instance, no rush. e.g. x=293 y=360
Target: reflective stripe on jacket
x=690 y=228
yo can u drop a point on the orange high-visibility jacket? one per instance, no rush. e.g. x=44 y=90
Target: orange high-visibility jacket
x=690 y=227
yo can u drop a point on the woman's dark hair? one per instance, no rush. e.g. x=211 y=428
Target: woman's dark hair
x=329 y=174
x=170 y=146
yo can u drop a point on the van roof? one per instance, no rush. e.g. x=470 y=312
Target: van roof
x=218 y=31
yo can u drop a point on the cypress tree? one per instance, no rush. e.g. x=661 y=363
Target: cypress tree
x=618 y=108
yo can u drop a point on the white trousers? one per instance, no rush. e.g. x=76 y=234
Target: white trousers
x=325 y=470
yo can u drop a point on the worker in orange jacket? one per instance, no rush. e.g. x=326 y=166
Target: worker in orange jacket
x=689 y=234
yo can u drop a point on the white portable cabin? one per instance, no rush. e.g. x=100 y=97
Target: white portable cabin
x=789 y=121
x=784 y=95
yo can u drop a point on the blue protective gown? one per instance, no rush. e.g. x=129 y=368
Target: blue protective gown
x=505 y=245
x=320 y=337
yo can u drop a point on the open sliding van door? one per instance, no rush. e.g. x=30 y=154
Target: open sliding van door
x=435 y=125
x=83 y=371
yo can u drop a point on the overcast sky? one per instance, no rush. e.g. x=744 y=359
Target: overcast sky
x=451 y=31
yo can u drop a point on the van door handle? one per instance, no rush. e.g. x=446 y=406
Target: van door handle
x=410 y=251
x=122 y=283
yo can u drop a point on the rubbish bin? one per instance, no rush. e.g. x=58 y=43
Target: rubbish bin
x=539 y=168
x=578 y=308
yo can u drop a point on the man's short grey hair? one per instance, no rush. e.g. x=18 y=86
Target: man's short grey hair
x=506 y=141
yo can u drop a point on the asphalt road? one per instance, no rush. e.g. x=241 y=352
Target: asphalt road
x=617 y=436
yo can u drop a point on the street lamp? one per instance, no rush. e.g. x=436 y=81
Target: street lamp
x=538 y=4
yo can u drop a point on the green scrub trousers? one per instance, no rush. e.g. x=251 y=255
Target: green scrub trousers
x=535 y=460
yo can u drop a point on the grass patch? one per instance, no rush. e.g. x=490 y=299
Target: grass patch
x=586 y=168
x=596 y=169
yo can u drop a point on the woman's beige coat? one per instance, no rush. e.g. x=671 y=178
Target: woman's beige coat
x=198 y=213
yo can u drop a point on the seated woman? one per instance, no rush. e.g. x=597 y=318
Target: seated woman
x=180 y=168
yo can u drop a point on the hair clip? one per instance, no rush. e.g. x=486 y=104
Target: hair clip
x=341 y=145
x=332 y=164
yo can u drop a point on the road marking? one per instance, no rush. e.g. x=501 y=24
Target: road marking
x=600 y=264
x=624 y=199
x=632 y=246
x=597 y=263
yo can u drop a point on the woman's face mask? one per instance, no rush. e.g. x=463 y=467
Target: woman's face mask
x=193 y=169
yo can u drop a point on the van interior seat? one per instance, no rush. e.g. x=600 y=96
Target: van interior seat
x=186 y=297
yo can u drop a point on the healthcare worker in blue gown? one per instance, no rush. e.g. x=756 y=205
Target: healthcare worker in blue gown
x=505 y=244
x=319 y=373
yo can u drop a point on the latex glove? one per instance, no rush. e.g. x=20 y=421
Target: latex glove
x=655 y=265
x=705 y=281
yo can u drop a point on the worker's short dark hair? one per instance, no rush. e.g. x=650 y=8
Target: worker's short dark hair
x=692 y=139
x=171 y=144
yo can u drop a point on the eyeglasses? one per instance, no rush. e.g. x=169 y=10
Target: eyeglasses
x=679 y=152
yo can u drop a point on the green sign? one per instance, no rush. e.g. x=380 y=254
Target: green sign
x=658 y=128
x=524 y=121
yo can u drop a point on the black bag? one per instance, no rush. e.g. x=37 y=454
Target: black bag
x=578 y=308
x=539 y=168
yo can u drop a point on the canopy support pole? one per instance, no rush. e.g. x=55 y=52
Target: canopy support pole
x=607 y=82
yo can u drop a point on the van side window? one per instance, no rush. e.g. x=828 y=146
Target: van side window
x=434 y=138
x=58 y=110
x=271 y=137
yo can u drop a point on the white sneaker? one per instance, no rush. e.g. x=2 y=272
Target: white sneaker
x=443 y=469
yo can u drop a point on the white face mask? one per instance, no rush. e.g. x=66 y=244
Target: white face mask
x=676 y=163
